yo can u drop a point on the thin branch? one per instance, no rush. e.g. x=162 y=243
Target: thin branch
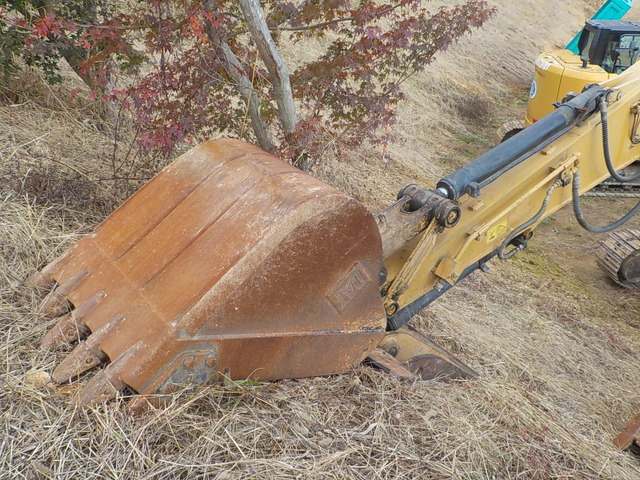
x=235 y=70
x=278 y=72
x=315 y=26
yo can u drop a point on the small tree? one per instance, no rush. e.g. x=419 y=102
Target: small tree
x=199 y=67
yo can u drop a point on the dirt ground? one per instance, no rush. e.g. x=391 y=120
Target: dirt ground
x=555 y=341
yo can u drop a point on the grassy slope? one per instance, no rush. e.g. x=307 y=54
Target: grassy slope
x=555 y=342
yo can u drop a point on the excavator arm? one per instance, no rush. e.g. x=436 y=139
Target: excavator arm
x=231 y=263
x=491 y=206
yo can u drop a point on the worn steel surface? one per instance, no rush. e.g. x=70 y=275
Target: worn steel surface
x=630 y=434
x=419 y=354
x=229 y=261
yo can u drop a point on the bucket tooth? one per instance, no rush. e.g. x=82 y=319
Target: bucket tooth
x=71 y=327
x=106 y=384
x=68 y=329
x=86 y=355
x=56 y=304
x=38 y=281
x=81 y=359
x=49 y=271
x=101 y=388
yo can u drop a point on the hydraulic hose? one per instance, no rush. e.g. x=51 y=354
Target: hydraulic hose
x=605 y=146
x=501 y=254
x=580 y=217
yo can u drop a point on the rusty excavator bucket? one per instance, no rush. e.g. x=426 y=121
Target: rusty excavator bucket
x=229 y=262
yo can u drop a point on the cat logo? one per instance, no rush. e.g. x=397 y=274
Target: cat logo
x=495 y=231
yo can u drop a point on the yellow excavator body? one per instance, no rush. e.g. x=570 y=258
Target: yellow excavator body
x=606 y=49
x=558 y=72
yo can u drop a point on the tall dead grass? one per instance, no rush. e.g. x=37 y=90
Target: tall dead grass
x=554 y=389
x=57 y=147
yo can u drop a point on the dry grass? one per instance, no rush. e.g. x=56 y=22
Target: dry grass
x=56 y=148
x=555 y=387
x=556 y=344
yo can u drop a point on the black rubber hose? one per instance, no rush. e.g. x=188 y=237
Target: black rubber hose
x=524 y=226
x=580 y=217
x=605 y=146
x=402 y=316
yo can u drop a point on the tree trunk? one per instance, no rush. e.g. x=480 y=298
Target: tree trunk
x=236 y=71
x=278 y=72
x=249 y=95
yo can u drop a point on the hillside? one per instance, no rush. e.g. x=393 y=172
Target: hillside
x=556 y=343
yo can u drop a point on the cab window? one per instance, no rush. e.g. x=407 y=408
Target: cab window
x=621 y=53
x=584 y=44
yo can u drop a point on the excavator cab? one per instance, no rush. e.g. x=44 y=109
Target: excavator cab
x=613 y=45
